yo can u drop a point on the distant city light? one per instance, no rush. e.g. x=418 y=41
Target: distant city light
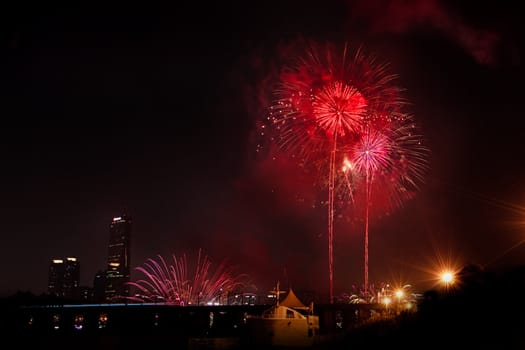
x=117 y=218
x=102 y=320
x=71 y=259
x=58 y=261
x=79 y=322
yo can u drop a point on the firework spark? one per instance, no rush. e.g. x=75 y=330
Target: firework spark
x=322 y=95
x=173 y=284
x=323 y=104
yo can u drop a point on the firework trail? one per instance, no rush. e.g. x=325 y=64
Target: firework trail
x=390 y=156
x=174 y=285
x=337 y=111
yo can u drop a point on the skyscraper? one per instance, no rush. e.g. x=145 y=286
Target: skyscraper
x=55 y=278
x=64 y=278
x=118 y=268
x=71 y=284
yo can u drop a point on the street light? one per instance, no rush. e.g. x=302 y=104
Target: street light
x=447 y=278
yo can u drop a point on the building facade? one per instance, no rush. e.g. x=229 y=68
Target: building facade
x=118 y=266
x=64 y=278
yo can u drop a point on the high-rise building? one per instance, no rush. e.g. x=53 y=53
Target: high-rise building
x=118 y=268
x=55 y=278
x=71 y=278
x=64 y=278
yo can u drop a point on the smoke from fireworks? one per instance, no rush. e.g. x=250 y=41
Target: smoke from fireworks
x=174 y=284
x=403 y=16
x=340 y=112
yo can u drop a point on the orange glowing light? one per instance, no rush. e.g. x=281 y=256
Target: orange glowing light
x=447 y=277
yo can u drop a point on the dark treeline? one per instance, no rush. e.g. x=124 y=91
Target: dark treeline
x=483 y=310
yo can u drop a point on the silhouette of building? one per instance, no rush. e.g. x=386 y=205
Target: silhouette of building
x=64 y=278
x=99 y=287
x=72 y=278
x=118 y=267
x=55 y=278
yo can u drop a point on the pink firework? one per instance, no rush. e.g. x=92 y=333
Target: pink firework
x=174 y=285
x=395 y=158
x=390 y=156
x=370 y=155
x=323 y=101
x=371 y=151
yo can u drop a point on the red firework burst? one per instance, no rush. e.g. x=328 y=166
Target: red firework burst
x=342 y=114
x=174 y=285
x=338 y=107
x=324 y=97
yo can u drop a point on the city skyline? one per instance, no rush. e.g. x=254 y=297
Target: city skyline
x=64 y=278
x=154 y=112
x=64 y=273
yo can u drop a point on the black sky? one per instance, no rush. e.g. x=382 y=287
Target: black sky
x=152 y=110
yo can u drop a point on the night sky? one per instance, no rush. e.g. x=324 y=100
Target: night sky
x=152 y=111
